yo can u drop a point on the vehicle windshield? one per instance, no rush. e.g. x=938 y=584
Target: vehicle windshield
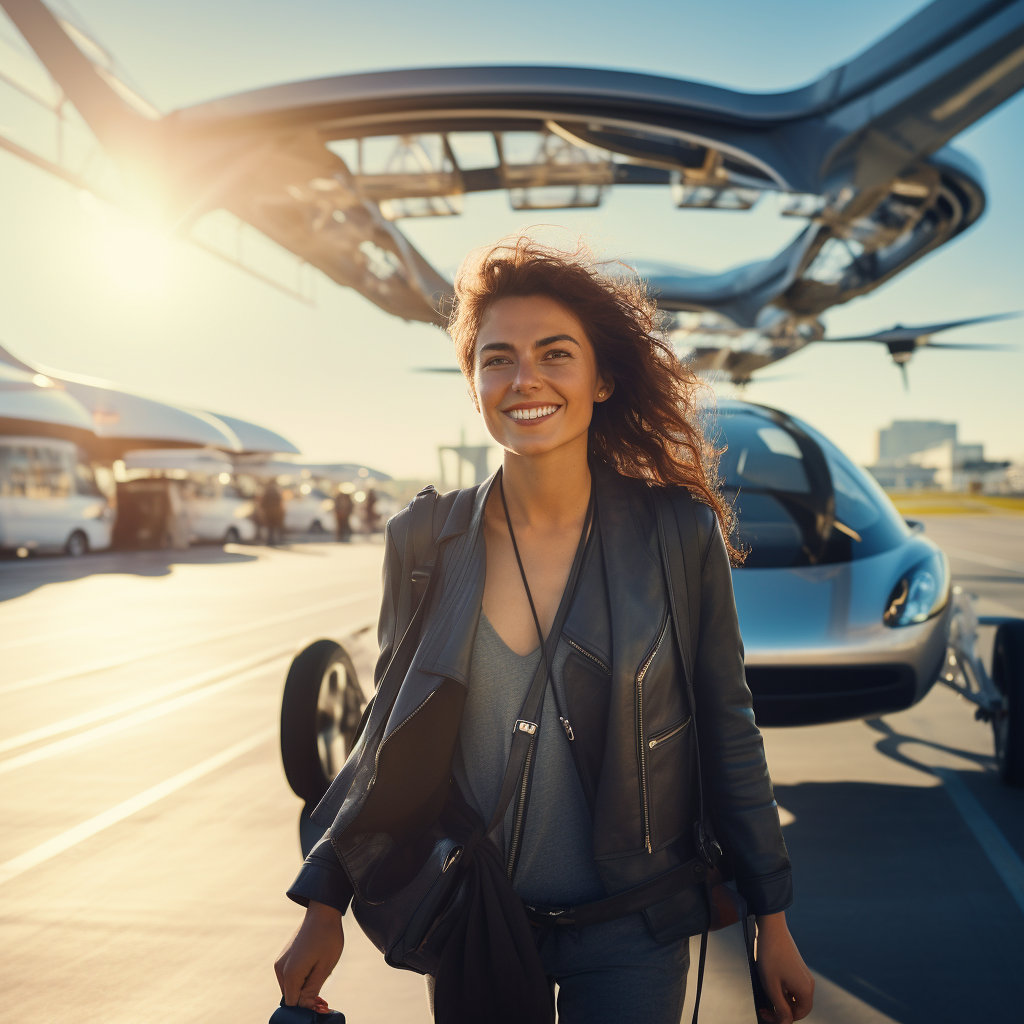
x=799 y=499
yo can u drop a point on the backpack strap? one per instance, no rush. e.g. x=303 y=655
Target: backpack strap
x=428 y=513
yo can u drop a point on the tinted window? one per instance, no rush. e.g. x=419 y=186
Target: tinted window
x=799 y=500
x=85 y=480
x=861 y=503
x=35 y=471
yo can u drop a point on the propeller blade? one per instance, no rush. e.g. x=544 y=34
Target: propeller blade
x=965 y=347
x=901 y=333
x=906 y=377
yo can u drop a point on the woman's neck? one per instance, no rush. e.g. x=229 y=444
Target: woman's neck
x=549 y=491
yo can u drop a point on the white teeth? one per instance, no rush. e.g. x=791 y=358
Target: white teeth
x=532 y=414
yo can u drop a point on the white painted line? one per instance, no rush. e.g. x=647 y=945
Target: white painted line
x=979 y=559
x=27 y=641
x=73 y=836
x=137 y=700
x=118 y=660
x=44 y=732
x=101 y=732
x=1004 y=858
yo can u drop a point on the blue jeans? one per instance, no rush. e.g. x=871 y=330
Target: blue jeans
x=612 y=973
x=615 y=973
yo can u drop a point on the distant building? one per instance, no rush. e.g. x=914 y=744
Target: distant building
x=926 y=453
x=905 y=437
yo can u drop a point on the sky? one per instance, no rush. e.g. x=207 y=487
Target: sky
x=165 y=319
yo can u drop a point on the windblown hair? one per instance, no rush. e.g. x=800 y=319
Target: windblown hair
x=650 y=427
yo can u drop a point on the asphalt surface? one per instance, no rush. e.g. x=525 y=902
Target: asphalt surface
x=149 y=833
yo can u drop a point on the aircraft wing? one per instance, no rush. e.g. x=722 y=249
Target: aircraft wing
x=296 y=162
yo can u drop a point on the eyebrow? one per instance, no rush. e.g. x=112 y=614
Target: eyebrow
x=504 y=346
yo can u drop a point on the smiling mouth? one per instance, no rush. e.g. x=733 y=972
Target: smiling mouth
x=539 y=412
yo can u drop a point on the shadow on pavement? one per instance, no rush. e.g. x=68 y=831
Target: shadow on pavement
x=897 y=904
x=25 y=575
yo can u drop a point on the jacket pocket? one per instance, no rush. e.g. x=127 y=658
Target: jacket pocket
x=668 y=734
x=672 y=776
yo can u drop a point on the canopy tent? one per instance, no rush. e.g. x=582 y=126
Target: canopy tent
x=118 y=421
x=339 y=472
x=124 y=422
x=209 y=461
x=256 y=439
x=33 y=405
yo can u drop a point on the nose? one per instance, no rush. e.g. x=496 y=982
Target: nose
x=527 y=378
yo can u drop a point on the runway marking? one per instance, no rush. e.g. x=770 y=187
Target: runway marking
x=1002 y=855
x=129 y=721
x=27 y=641
x=980 y=559
x=44 y=732
x=73 y=836
x=176 y=645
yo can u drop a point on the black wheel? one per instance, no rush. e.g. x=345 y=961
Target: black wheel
x=1008 y=724
x=320 y=713
x=316 y=526
x=77 y=544
x=232 y=536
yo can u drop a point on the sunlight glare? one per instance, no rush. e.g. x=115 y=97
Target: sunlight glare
x=134 y=256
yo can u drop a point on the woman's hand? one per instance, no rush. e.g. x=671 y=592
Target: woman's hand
x=310 y=956
x=786 y=979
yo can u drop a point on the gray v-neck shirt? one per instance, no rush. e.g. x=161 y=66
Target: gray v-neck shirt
x=556 y=860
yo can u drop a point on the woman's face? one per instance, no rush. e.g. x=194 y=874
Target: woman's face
x=536 y=375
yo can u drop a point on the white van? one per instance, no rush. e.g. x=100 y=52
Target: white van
x=49 y=500
x=307 y=509
x=212 y=506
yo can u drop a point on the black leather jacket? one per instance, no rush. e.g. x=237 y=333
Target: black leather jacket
x=628 y=709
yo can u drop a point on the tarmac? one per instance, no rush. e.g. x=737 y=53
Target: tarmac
x=149 y=833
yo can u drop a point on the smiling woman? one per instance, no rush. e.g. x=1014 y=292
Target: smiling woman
x=550 y=640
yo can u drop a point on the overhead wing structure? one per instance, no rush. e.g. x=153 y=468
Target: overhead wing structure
x=327 y=168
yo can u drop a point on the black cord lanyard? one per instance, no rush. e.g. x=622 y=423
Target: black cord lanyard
x=522 y=572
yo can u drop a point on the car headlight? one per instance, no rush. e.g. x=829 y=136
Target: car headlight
x=94 y=511
x=921 y=592
x=244 y=510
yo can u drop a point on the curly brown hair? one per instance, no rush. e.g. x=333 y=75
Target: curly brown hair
x=650 y=428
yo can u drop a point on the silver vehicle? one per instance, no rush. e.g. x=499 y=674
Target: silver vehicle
x=846 y=609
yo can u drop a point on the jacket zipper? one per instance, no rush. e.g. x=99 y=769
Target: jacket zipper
x=517 y=827
x=376 y=760
x=640 y=732
x=593 y=657
x=654 y=741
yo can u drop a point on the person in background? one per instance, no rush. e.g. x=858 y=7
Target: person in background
x=370 y=517
x=272 y=510
x=343 y=506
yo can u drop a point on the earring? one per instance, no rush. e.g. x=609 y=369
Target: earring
x=600 y=393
